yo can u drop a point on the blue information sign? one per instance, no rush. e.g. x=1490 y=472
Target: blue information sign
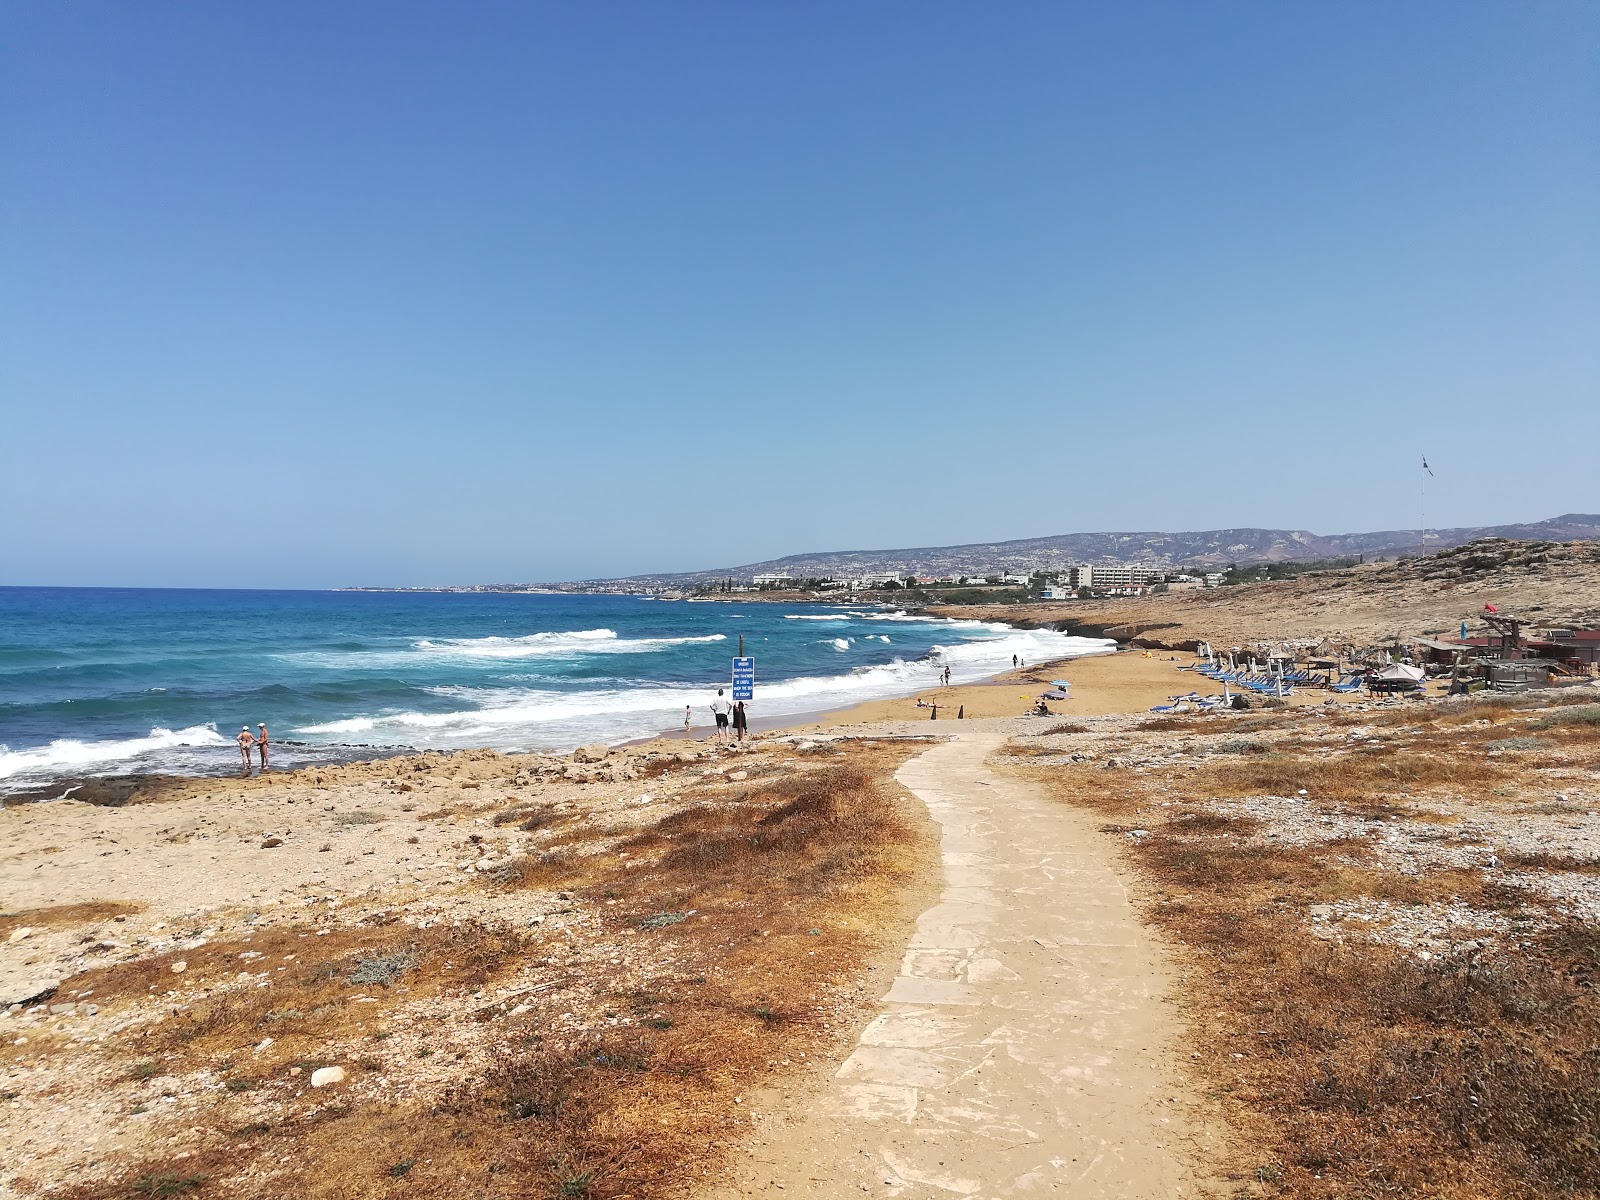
x=744 y=679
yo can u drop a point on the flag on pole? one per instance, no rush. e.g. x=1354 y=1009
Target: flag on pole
x=1425 y=465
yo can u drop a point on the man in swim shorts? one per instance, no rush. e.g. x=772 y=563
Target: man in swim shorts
x=245 y=742
x=261 y=744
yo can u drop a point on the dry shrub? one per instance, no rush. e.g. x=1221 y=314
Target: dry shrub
x=1580 y=717
x=1016 y=751
x=1353 y=774
x=1176 y=723
x=64 y=916
x=542 y=870
x=1064 y=728
x=655 y=768
x=531 y=818
x=310 y=1001
x=1543 y=861
x=811 y=831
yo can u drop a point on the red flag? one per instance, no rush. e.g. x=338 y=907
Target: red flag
x=1490 y=608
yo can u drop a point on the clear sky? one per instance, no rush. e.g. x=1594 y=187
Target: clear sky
x=304 y=294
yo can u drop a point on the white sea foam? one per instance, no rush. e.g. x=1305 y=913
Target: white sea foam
x=535 y=645
x=65 y=754
x=841 y=643
x=523 y=718
x=815 y=617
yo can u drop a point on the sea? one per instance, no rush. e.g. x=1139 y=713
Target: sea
x=111 y=681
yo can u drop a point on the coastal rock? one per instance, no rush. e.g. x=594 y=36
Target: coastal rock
x=272 y=843
x=18 y=934
x=26 y=991
x=738 y=776
x=592 y=753
x=179 y=967
x=323 y=1076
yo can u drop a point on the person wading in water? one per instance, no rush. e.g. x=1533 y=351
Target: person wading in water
x=245 y=742
x=261 y=744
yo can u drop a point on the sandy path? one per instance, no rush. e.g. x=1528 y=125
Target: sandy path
x=1025 y=1046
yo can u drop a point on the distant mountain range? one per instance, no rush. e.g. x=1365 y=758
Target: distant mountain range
x=1212 y=548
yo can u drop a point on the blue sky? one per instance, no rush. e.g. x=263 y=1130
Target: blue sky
x=305 y=294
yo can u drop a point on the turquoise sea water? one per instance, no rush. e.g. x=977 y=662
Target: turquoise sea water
x=100 y=681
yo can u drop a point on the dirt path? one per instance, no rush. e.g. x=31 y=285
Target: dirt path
x=1025 y=1046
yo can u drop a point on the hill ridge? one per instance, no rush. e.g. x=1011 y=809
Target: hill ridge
x=1211 y=549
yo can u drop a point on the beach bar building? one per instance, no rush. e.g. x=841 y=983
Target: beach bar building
x=1576 y=645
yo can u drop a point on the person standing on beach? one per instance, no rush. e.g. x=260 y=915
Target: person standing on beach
x=261 y=743
x=720 y=709
x=245 y=742
x=1013 y=662
x=741 y=723
x=686 y=732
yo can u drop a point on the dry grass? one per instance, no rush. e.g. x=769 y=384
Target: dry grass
x=313 y=997
x=1350 y=775
x=1356 y=1069
x=756 y=907
x=65 y=916
x=1177 y=723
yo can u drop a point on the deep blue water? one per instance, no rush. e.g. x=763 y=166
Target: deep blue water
x=102 y=680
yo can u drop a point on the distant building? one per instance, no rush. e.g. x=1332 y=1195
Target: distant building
x=1581 y=644
x=1107 y=576
x=773 y=579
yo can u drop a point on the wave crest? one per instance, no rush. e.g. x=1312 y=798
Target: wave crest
x=66 y=753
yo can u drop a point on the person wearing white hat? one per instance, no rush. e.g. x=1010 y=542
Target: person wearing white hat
x=261 y=743
x=245 y=742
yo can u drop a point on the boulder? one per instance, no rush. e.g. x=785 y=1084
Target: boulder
x=26 y=991
x=592 y=753
x=323 y=1076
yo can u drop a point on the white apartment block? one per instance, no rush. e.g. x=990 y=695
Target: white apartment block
x=1113 y=575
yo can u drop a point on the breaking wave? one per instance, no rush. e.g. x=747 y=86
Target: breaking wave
x=536 y=645
x=66 y=755
x=523 y=718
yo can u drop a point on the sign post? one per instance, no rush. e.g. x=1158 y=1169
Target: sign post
x=744 y=678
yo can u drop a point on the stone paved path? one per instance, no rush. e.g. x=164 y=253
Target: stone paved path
x=1025 y=1047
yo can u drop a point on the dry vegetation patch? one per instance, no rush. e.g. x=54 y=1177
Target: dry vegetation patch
x=1360 y=1060
x=66 y=916
x=592 y=1049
